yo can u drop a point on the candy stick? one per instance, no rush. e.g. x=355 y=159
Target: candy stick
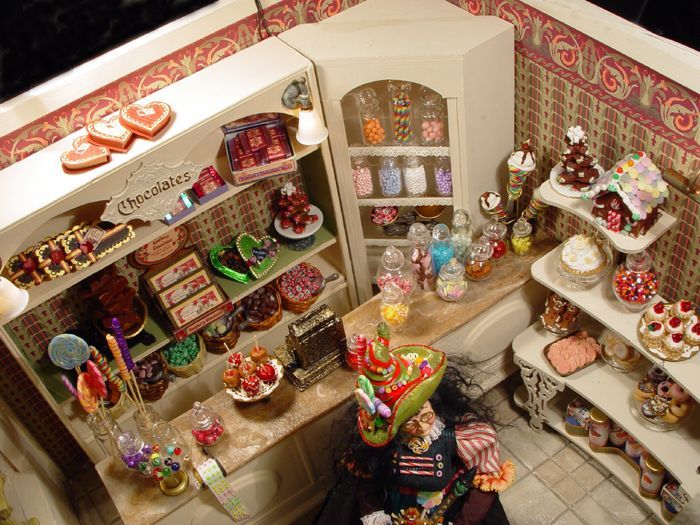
x=103 y=365
x=255 y=340
x=123 y=346
x=123 y=372
x=69 y=386
x=230 y=353
x=535 y=207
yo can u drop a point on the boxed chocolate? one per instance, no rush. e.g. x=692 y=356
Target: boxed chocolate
x=258 y=147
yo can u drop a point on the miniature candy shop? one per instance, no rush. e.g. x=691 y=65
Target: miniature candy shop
x=390 y=262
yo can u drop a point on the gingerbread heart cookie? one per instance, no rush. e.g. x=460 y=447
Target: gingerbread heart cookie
x=84 y=155
x=111 y=133
x=146 y=121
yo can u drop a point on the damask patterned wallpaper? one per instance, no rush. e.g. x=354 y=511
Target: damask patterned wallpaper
x=562 y=78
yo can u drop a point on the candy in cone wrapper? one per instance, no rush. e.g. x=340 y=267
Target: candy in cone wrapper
x=491 y=203
x=520 y=164
x=535 y=207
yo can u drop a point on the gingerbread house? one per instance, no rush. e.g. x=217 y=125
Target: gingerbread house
x=627 y=198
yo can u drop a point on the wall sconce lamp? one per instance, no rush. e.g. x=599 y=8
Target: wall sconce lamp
x=13 y=300
x=311 y=129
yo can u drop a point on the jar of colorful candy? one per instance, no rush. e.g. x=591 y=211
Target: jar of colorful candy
x=390 y=177
x=443 y=176
x=362 y=177
x=635 y=282
x=461 y=234
x=432 y=120
x=441 y=249
x=371 y=115
x=207 y=425
x=479 y=266
x=451 y=285
x=421 y=260
x=392 y=270
x=394 y=308
x=521 y=239
x=495 y=233
x=414 y=176
x=401 y=112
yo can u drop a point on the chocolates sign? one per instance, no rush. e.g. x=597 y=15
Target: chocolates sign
x=151 y=192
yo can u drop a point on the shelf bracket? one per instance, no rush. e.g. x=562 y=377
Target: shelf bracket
x=541 y=388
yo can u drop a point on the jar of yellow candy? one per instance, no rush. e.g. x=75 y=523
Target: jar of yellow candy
x=521 y=239
x=394 y=307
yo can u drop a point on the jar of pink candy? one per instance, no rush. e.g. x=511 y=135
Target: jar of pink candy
x=207 y=425
x=432 y=120
x=362 y=177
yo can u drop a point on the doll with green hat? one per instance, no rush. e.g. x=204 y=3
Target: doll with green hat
x=428 y=455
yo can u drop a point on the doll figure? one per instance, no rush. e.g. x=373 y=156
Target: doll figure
x=427 y=457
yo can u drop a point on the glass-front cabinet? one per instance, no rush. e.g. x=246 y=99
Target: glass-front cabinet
x=420 y=113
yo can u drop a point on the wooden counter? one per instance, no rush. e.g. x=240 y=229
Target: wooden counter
x=253 y=429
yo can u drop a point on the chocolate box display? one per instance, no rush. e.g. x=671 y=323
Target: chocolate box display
x=314 y=347
x=258 y=147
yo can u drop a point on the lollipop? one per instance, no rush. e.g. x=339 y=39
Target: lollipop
x=491 y=204
x=86 y=394
x=97 y=382
x=101 y=361
x=116 y=352
x=68 y=351
x=123 y=346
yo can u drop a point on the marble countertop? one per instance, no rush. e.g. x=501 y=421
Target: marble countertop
x=255 y=428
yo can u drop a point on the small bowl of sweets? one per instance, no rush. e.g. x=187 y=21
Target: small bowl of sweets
x=263 y=308
x=252 y=378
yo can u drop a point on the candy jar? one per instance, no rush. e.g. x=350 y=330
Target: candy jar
x=394 y=309
x=521 y=239
x=392 y=270
x=355 y=352
x=421 y=260
x=145 y=420
x=401 y=112
x=362 y=177
x=372 y=130
x=495 y=233
x=461 y=234
x=635 y=283
x=451 y=284
x=135 y=453
x=106 y=432
x=443 y=176
x=479 y=265
x=432 y=120
x=390 y=177
x=414 y=176
x=207 y=426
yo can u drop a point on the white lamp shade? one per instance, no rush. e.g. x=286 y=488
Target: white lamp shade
x=13 y=300
x=311 y=129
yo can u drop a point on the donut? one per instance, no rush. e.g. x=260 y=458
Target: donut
x=645 y=390
x=669 y=417
x=679 y=409
x=258 y=354
x=678 y=393
x=664 y=389
x=657 y=374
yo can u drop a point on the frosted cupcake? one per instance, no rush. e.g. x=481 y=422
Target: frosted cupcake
x=673 y=343
x=683 y=309
x=655 y=333
x=674 y=325
x=656 y=312
x=692 y=332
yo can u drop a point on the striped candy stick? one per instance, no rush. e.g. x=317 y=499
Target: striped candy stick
x=101 y=361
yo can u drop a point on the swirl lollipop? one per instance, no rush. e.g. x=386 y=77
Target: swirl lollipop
x=68 y=351
x=112 y=378
x=86 y=394
x=97 y=382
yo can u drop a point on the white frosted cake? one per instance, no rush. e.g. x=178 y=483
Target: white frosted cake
x=583 y=255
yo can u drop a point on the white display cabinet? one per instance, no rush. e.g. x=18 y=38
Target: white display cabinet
x=465 y=62
x=37 y=199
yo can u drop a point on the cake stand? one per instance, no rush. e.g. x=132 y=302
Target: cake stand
x=304 y=240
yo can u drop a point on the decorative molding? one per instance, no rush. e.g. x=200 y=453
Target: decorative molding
x=399 y=151
x=541 y=388
x=406 y=201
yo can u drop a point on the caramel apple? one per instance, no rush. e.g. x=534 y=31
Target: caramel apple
x=246 y=369
x=258 y=354
x=231 y=378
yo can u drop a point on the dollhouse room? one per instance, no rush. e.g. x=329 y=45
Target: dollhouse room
x=328 y=262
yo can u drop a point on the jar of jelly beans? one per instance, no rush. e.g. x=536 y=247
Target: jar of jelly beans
x=207 y=425
x=451 y=285
x=479 y=266
x=495 y=233
x=394 y=308
x=521 y=239
x=390 y=177
x=373 y=132
x=362 y=177
x=635 y=282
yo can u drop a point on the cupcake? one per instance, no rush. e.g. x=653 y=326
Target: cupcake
x=683 y=309
x=583 y=255
x=655 y=332
x=692 y=333
x=673 y=343
x=656 y=312
x=674 y=325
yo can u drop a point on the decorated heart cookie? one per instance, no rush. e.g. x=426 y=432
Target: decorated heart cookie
x=110 y=132
x=146 y=121
x=259 y=254
x=84 y=155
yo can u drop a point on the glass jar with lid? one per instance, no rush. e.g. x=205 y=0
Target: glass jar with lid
x=635 y=282
x=390 y=177
x=414 y=176
x=362 y=177
x=521 y=239
x=441 y=249
x=432 y=120
x=145 y=421
x=207 y=425
x=451 y=285
x=106 y=432
x=598 y=428
x=479 y=266
x=391 y=269
x=401 y=112
x=421 y=260
x=443 y=176
x=394 y=308
x=373 y=132
x=461 y=234
x=495 y=233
